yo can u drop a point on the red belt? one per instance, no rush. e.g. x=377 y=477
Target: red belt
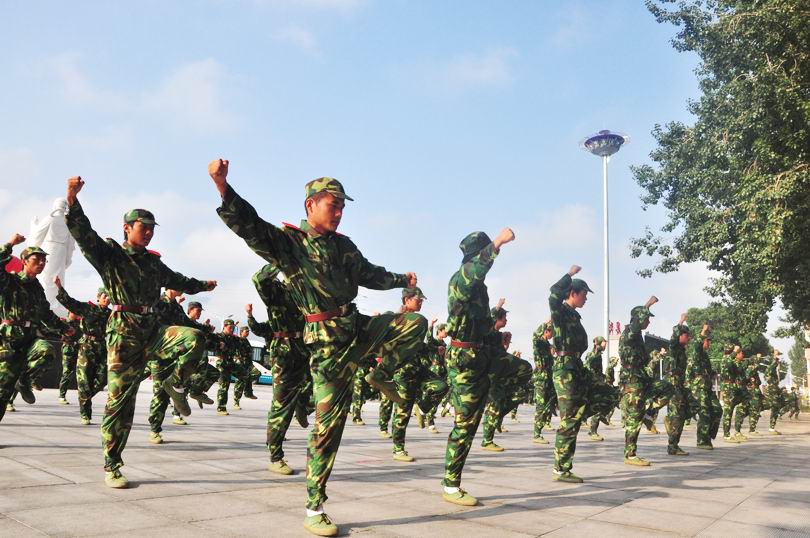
x=465 y=345
x=137 y=309
x=330 y=314
x=288 y=335
x=15 y=323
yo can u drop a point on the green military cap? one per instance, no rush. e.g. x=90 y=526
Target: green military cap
x=472 y=244
x=441 y=326
x=228 y=322
x=498 y=313
x=728 y=348
x=194 y=304
x=679 y=330
x=411 y=292
x=326 y=184
x=142 y=215
x=577 y=285
x=102 y=290
x=30 y=251
x=598 y=339
x=548 y=326
x=642 y=313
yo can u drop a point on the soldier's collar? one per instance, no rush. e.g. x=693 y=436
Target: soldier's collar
x=129 y=249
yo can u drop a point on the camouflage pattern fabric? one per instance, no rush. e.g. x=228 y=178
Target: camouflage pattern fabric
x=794 y=405
x=417 y=383
x=508 y=376
x=361 y=390
x=732 y=388
x=593 y=363
x=134 y=277
x=675 y=374
x=774 y=399
x=246 y=373
x=70 y=352
x=436 y=350
x=386 y=412
x=709 y=410
x=227 y=365
x=545 y=397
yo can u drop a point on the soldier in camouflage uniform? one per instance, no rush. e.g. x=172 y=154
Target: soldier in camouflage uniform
x=246 y=373
x=593 y=363
x=37 y=359
x=675 y=371
x=578 y=398
x=133 y=276
x=545 y=397
x=508 y=375
x=91 y=366
x=641 y=393
x=752 y=405
x=386 y=412
x=733 y=388
x=709 y=411
x=436 y=351
x=23 y=311
x=468 y=358
x=70 y=351
x=206 y=374
x=292 y=382
x=416 y=382
x=323 y=270
x=794 y=403
x=361 y=391
x=774 y=399
x=226 y=363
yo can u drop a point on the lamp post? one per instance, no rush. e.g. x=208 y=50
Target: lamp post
x=604 y=144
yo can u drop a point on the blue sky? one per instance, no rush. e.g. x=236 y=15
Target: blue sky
x=440 y=118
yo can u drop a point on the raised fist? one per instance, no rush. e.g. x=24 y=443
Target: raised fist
x=505 y=236
x=574 y=270
x=74 y=185
x=16 y=239
x=249 y=309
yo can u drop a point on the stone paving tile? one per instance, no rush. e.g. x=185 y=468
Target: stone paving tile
x=684 y=524
x=70 y=521
x=47 y=496
x=725 y=528
x=201 y=507
x=589 y=527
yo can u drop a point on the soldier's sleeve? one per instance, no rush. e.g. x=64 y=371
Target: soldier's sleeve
x=258 y=328
x=475 y=270
x=266 y=283
x=5 y=258
x=177 y=281
x=557 y=295
x=373 y=277
x=263 y=238
x=95 y=249
x=47 y=317
x=77 y=307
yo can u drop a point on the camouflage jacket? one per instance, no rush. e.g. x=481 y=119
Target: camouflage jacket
x=633 y=356
x=543 y=360
x=170 y=312
x=23 y=299
x=131 y=276
x=432 y=345
x=283 y=316
x=732 y=373
x=772 y=373
x=230 y=348
x=94 y=318
x=675 y=366
x=700 y=367
x=71 y=337
x=752 y=368
x=593 y=362
x=323 y=271
x=469 y=318
x=245 y=350
x=569 y=334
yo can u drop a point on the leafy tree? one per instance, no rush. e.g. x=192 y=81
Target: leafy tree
x=735 y=183
x=727 y=329
x=798 y=365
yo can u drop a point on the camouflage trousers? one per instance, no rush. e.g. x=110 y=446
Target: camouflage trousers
x=775 y=401
x=292 y=390
x=204 y=377
x=12 y=363
x=752 y=408
x=246 y=375
x=394 y=337
x=733 y=397
x=226 y=370
x=468 y=373
x=677 y=412
x=37 y=358
x=127 y=357
x=616 y=396
x=69 y=356
x=360 y=392
x=91 y=375
x=545 y=401
x=386 y=412
x=160 y=400
x=709 y=411
x=421 y=387
x=508 y=378
x=639 y=401
x=579 y=397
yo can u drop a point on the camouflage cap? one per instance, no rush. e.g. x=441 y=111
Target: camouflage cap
x=728 y=348
x=641 y=313
x=411 y=292
x=498 y=313
x=441 y=326
x=142 y=215
x=679 y=330
x=30 y=251
x=326 y=184
x=577 y=285
x=194 y=304
x=102 y=291
x=599 y=340
x=228 y=322
x=473 y=243
x=548 y=326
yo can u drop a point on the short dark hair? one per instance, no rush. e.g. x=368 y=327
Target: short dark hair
x=315 y=198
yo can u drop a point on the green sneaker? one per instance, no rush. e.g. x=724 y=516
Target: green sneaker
x=420 y=416
x=705 y=446
x=460 y=497
x=635 y=460
x=566 y=476
x=754 y=434
x=677 y=451
x=10 y=408
x=180 y=421
x=85 y=421
x=155 y=438
x=236 y=407
x=772 y=431
x=251 y=396
x=491 y=447
x=433 y=429
x=114 y=479
x=384 y=434
x=280 y=467
x=596 y=437
x=320 y=525
x=540 y=440
x=376 y=378
x=201 y=398
x=403 y=456
x=63 y=401
x=740 y=437
x=178 y=396
x=359 y=422
x=731 y=439
x=222 y=412
x=25 y=393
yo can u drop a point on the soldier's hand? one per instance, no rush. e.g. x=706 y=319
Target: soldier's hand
x=210 y=285
x=651 y=301
x=683 y=319
x=574 y=270
x=180 y=299
x=218 y=170
x=501 y=302
x=706 y=329
x=433 y=321
x=249 y=309
x=57 y=282
x=505 y=236
x=16 y=239
x=411 y=280
x=207 y=322
x=74 y=185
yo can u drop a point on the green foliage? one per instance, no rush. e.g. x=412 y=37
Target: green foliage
x=735 y=183
x=726 y=329
x=798 y=365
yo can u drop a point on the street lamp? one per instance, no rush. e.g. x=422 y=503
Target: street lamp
x=604 y=144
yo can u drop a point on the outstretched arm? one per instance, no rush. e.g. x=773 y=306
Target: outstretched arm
x=77 y=307
x=5 y=258
x=94 y=248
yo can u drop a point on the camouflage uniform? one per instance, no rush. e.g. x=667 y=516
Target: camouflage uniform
x=247 y=373
x=774 y=399
x=710 y=412
x=468 y=358
x=23 y=311
x=675 y=374
x=361 y=390
x=641 y=393
x=732 y=387
x=70 y=349
x=545 y=397
x=593 y=362
x=323 y=272
x=578 y=397
x=227 y=364
x=794 y=404
x=386 y=412
x=752 y=403
x=133 y=278
x=436 y=352
x=283 y=332
x=91 y=366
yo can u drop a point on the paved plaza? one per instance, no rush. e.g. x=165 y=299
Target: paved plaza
x=210 y=479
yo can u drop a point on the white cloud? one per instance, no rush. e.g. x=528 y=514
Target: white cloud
x=77 y=87
x=490 y=68
x=300 y=38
